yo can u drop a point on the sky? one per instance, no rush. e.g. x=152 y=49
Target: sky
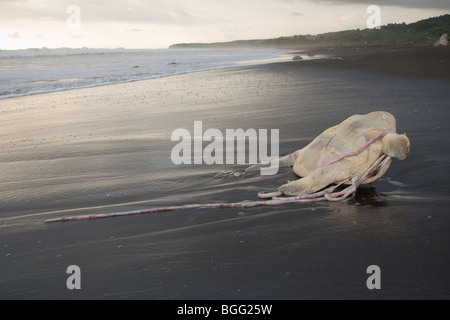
x=155 y=24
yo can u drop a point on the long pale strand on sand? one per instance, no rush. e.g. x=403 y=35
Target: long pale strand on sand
x=275 y=200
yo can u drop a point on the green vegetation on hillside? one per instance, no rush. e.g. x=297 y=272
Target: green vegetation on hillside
x=425 y=31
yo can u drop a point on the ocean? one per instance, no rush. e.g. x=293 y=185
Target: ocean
x=32 y=71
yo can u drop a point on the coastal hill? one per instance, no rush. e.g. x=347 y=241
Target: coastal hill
x=425 y=31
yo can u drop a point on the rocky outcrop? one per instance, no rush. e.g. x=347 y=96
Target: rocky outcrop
x=443 y=41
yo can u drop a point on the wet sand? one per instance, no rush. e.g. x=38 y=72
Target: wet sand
x=414 y=61
x=107 y=149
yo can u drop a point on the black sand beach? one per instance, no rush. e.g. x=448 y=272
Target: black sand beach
x=107 y=149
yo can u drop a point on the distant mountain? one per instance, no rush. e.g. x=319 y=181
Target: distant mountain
x=425 y=31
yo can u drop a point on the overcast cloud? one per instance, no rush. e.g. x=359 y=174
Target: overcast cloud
x=159 y=23
x=159 y=11
x=173 y=11
x=430 y=4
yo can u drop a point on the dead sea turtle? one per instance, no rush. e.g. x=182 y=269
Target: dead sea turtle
x=357 y=151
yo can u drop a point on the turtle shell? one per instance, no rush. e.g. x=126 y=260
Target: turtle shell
x=343 y=139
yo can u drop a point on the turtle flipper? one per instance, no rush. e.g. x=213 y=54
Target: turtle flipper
x=313 y=182
x=286 y=161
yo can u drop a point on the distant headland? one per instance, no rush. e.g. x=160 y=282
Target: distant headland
x=425 y=32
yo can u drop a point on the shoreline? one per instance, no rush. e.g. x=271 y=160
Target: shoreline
x=413 y=61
